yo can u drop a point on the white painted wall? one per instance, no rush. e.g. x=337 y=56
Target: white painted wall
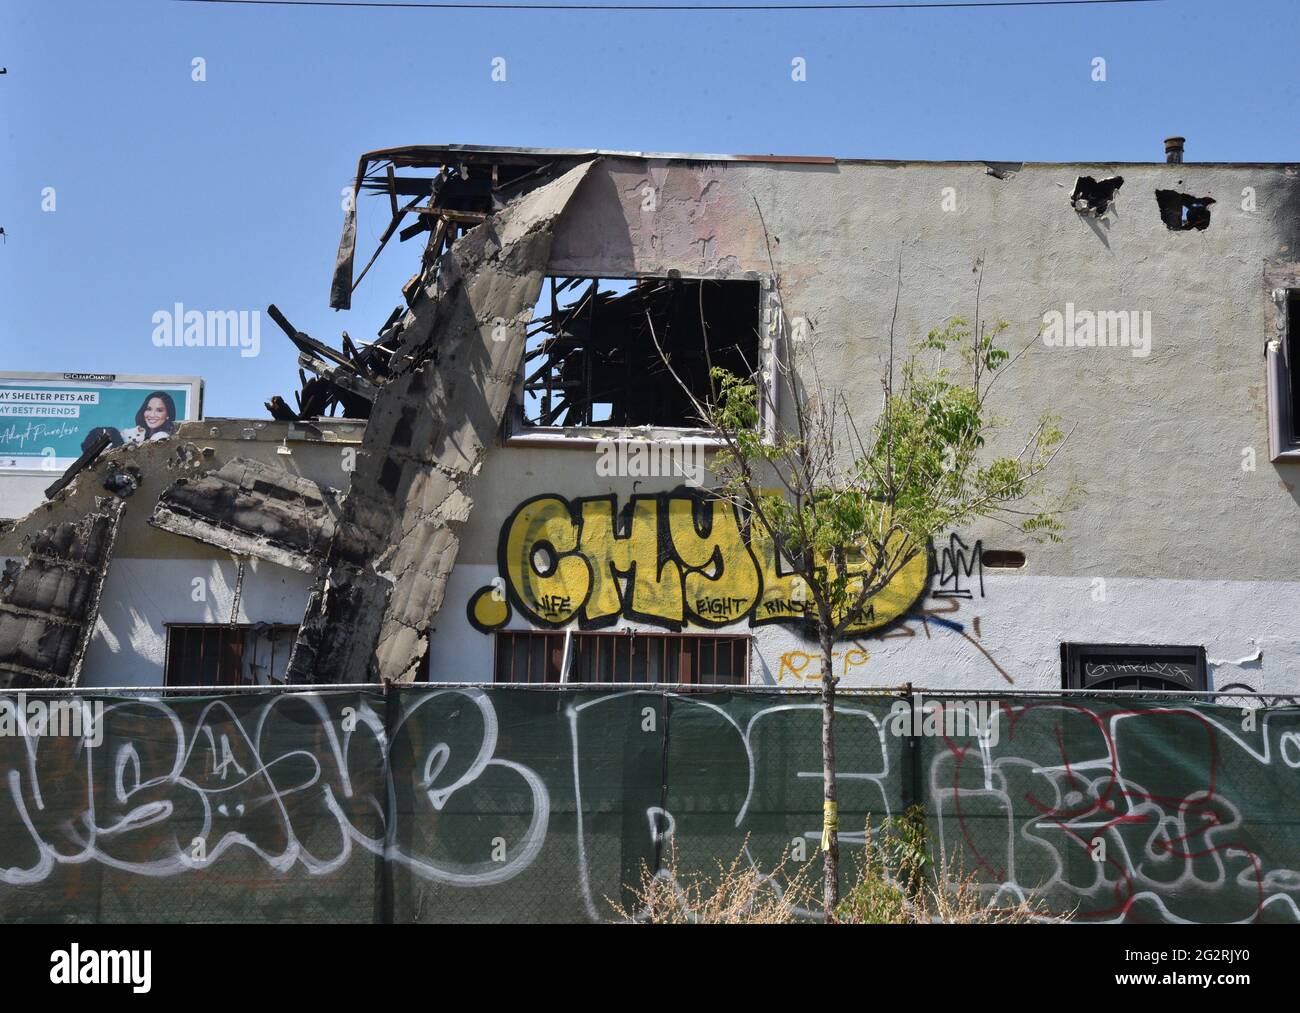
x=1245 y=627
x=142 y=595
x=20 y=494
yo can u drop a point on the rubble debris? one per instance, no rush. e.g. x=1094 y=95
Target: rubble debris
x=252 y=509
x=187 y=455
x=1003 y=170
x=592 y=359
x=121 y=480
x=280 y=411
x=50 y=601
x=455 y=355
x=1181 y=211
x=1094 y=196
x=345 y=379
x=462 y=190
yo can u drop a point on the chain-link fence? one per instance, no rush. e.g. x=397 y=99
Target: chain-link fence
x=481 y=803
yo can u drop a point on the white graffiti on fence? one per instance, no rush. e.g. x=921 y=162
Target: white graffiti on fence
x=235 y=791
x=168 y=795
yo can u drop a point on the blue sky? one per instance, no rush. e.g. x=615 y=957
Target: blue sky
x=225 y=193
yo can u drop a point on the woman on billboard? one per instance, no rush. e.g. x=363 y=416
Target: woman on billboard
x=155 y=420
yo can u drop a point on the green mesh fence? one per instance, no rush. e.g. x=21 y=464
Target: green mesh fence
x=502 y=804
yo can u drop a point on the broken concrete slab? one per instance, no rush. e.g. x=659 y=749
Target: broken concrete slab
x=252 y=509
x=461 y=346
x=50 y=601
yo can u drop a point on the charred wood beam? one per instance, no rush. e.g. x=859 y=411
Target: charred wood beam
x=310 y=346
x=413 y=230
x=470 y=218
x=88 y=455
x=480 y=182
x=398 y=215
x=349 y=382
x=280 y=410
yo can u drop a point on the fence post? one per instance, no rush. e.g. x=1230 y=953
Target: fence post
x=386 y=894
x=661 y=821
x=912 y=786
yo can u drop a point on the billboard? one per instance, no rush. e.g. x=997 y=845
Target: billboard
x=48 y=419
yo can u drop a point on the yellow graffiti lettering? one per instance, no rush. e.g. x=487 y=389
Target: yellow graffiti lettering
x=654 y=583
x=673 y=560
x=722 y=579
x=785 y=596
x=802 y=666
x=896 y=597
x=545 y=570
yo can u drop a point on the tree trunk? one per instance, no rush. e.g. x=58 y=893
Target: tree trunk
x=831 y=857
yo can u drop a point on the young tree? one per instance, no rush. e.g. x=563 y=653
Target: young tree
x=850 y=503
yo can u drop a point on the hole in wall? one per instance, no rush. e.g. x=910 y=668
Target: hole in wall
x=1181 y=211
x=1002 y=559
x=1094 y=196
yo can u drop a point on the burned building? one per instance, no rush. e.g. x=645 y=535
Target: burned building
x=505 y=483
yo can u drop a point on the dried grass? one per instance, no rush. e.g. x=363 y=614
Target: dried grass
x=737 y=894
x=899 y=881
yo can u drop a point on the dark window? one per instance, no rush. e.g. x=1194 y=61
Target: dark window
x=1293 y=359
x=591 y=357
x=223 y=655
x=537 y=656
x=1282 y=355
x=1132 y=666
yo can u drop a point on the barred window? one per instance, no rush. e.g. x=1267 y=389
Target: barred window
x=218 y=654
x=544 y=656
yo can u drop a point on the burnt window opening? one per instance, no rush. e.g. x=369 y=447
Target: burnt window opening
x=534 y=656
x=591 y=357
x=1151 y=668
x=1002 y=559
x=1181 y=211
x=1094 y=196
x=225 y=655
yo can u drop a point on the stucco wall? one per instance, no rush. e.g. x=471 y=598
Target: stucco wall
x=1176 y=540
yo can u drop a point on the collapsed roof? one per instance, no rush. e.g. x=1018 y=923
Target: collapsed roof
x=435 y=388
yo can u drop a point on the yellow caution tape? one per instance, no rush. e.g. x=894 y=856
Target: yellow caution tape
x=830 y=821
